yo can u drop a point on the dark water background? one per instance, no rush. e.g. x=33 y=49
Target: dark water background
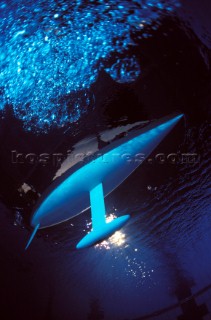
x=166 y=256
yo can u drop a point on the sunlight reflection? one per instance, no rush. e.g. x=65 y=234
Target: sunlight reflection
x=117 y=239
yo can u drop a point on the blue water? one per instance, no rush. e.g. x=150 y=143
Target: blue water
x=52 y=49
x=164 y=251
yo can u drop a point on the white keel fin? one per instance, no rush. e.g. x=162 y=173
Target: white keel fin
x=101 y=229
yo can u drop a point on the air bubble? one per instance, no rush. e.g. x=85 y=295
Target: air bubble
x=61 y=50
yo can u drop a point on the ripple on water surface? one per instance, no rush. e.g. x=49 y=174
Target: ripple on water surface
x=51 y=49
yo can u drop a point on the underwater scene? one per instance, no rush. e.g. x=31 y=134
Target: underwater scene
x=105 y=159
